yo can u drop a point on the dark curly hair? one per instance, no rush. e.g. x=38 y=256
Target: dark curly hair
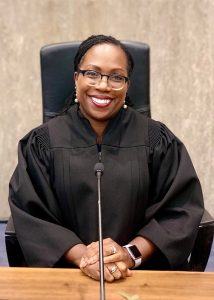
x=101 y=39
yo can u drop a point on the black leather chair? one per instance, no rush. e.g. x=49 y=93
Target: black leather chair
x=58 y=85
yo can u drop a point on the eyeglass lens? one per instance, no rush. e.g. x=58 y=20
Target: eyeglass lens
x=115 y=81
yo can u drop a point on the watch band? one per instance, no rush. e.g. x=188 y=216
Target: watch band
x=135 y=255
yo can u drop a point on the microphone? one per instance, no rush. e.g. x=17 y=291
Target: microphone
x=99 y=170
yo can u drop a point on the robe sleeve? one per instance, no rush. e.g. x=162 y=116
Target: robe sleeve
x=176 y=201
x=36 y=214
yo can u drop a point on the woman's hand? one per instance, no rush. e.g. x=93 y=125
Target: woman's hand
x=111 y=271
x=116 y=261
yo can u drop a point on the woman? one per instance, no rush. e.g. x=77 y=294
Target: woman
x=152 y=202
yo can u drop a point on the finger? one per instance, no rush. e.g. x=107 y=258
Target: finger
x=92 y=246
x=123 y=269
x=109 y=250
x=91 y=254
x=92 y=249
x=92 y=271
x=129 y=273
x=113 y=258
x=114 y=271
x=110 y=246
x=125 y=272
x=92 y=260
x=107 y=275
x=120 y=255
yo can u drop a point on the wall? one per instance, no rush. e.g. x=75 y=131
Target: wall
x=180 y=34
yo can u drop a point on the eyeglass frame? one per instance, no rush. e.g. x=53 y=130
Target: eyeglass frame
x=102 y=75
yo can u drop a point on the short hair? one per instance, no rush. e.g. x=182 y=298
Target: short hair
x=97 y=40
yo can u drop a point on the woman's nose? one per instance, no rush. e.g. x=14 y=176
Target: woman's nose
x=103 y=83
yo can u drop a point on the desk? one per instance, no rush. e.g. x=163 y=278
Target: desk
x=72 y=284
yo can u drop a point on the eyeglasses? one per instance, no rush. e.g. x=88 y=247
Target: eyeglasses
x=115 y=81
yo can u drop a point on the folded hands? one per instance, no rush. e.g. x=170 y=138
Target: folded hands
x=116 y=261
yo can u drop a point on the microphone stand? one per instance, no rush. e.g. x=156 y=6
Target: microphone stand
x=98 y=169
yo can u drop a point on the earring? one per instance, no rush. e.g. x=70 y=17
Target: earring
x=76 y=100
x=125 y=105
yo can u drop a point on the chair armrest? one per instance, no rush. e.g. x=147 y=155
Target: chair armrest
x=14 y=252
x=203 y=243
x=207 y=219
x=10 y=230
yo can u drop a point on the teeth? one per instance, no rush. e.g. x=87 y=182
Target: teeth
x=101 y=101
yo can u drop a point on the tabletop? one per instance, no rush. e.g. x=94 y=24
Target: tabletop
x=63 y=284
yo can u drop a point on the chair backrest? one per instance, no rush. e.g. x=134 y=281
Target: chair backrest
x=58 y=79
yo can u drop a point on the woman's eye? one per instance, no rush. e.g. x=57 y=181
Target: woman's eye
x=117 y=78
x=91 y=74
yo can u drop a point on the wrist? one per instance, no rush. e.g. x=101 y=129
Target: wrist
x=134 y=255
x=129 y=261
x=74 y=254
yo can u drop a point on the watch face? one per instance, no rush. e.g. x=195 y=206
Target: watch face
x=135 y=251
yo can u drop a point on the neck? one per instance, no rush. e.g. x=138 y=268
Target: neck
x=99 y=128
x=99 y=140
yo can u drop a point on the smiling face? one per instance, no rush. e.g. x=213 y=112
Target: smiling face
x=100 y=103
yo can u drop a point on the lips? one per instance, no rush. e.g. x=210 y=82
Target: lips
x=101 y=102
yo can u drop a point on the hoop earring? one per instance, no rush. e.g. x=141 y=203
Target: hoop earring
x=125 y=105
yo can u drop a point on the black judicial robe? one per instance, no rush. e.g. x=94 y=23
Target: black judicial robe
x=149 y=188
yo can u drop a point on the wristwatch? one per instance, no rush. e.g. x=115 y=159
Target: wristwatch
x=135 y=255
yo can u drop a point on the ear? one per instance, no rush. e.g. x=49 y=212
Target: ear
x=75 y=77
x=127 y=88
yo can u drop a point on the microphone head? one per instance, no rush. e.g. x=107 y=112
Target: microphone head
x=99 y=167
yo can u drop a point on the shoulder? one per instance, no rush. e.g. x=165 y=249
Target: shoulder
x=134 y=126
x=150 y=131
x=161 y=139
x=44 y=134
x=37 y=137
x=62 y=131
x=155 y=131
